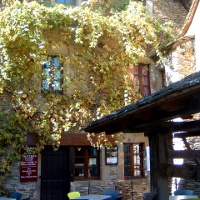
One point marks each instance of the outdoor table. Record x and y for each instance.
(7, 198)
(180, 197)
(94, 197)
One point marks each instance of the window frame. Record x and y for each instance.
(51, 88)
(86, 167)
(133, 166)
(141, 73)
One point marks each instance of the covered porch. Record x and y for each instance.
(154, 115)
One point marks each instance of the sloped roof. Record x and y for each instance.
(189, 17)
(179, 99)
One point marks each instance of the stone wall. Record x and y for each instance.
(168, 10)
(12, 183)
(180, 63)
(129, 189)
(133, 189)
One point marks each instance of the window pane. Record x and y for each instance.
(145, 80)
(126, 148)
(137, 171)
(136, 159)
(127, 171)
(46, 81)
(79, 161)
(145, 70)
(79, 151)
(92, 151)
(64, 1)
(93, 172)
(79, 172)
(56, 74)
(146, 91)
(136, 148)
(92, 162)
(127, 160)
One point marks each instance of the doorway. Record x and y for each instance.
(55, 173)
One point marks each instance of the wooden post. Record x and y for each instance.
(158, 162)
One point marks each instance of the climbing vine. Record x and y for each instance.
(99, 45)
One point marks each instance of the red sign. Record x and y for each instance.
(29, 165)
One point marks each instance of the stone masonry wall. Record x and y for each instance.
(180, 63)
(129, 189)
(169, 10)
(12, 183)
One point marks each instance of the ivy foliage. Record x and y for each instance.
(100, 41)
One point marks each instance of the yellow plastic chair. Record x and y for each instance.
(194, 199)
(73, 195)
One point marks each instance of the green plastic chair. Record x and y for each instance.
(73, 195)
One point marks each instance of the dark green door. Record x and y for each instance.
(55, 173)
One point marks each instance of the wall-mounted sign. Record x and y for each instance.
(111, 155)
(29, 165)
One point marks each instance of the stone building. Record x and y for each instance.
(106, 174)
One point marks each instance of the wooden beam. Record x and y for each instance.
(80, 139)
(182, 171)
(69, 139)
(184, 154)
(181, 126)
(187, 134)
(158, 151)
(179, 129)
(189, 148)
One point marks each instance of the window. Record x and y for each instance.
(68, 2)
(111, 155)
(141, 73)
(133, 160)
(87, 163)
(52, 75)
